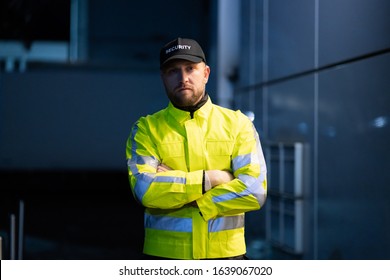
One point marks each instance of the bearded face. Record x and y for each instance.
(185, 82)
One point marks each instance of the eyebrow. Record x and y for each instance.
(174, 65)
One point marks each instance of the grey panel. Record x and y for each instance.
(251, 58)
(131, 33)
(291, 37)
(291, 110)
(350, 28)
(72, 120)
(354, 161)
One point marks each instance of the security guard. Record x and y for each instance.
(196, 167)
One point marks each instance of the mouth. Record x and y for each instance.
(182, 89)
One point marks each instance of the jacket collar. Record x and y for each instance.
(182, 116)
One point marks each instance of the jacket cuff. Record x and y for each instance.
(207, 207)
(206, 182)
(194, 185)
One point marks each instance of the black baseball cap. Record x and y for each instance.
(181, 48)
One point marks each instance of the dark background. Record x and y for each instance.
(313, 72)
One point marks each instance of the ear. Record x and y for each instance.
(206, 74)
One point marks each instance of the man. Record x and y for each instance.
(196, 167)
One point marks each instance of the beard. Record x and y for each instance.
(188, 103)
(185, 97)
(185, 100)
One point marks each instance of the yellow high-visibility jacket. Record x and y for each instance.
(214, 138)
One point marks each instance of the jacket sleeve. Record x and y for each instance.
(248, 191)
(165, 190)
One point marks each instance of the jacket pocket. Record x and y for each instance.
(219, 154)
(173, 155)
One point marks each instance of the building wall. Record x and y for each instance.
(317, 72)
(313, 71)
(75, 120)
(64, 126)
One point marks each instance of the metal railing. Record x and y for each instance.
(16, 235)
(284, 211)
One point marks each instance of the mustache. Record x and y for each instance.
(182, 87)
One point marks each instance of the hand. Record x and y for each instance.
(162, 168)
(218, 177)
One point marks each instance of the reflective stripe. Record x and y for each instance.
(260, 156)
(133, 142)
(260, 193)
(132, 163)
(168, 223)
(137, 159)
(170, 179)
(241, 161)
(254, 187)
(252, 158)
(185, 224)
(144, 180)
(226, 223)
(230, 196)
(142, 184)
(249, 181)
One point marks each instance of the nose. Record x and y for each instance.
(182, 75)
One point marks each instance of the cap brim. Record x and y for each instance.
(191, 58)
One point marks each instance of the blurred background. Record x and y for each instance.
(75, 75)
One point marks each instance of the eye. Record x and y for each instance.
(170, 70)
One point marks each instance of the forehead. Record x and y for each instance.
(180, 62)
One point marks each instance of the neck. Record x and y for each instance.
(195, 107)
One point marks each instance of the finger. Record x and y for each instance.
(165, 167)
